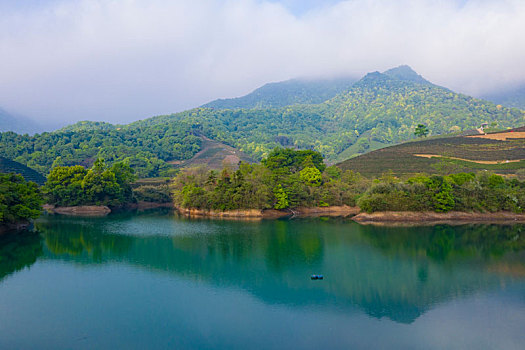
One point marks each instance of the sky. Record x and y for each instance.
(123, 60)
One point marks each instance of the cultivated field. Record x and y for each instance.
(502, 152)
(9, 166)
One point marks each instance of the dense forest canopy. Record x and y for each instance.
(286, 178)
(290, 179)
(100, 185)
(378, 110)
(145, 149)
(20, 200)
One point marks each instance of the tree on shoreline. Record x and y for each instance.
(284, 180)
(100, 185)
(20, 200)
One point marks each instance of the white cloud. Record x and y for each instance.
(128, 59)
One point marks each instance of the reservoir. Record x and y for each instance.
(155, 280)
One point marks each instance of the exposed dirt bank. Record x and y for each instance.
(343, 211)
(421, 217)
(235, 214)
(340, 211)
(81, 210)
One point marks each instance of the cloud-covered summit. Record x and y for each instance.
(128, 59)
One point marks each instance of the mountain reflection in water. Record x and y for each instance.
(393, 272)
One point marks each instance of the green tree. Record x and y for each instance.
(281, 196)
(64, 186)
(124, 175)
(101, 187)
(443, 197)
(311, 176)
(421, 130)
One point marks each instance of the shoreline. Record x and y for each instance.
(399, 217)
(333, 211)
(353, 213)
(233, 214)
(80, 210)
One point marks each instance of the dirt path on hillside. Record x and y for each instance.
(502, 136)
(469, 160)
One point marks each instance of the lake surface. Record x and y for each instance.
(154, 280)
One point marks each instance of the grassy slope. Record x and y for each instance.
(401, 160)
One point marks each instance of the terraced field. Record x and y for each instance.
(9, 166)
(502, 152)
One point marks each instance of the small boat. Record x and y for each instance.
(316, 277)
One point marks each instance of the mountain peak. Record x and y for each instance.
(406, 73)
(374, 78)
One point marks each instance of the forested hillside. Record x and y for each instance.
(379, 110)
(286, 93)
(144, 149)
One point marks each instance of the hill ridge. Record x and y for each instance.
(285, 93)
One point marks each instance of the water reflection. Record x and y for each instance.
(18, 251)
(444, 243)
(398, 273)
(83, 239)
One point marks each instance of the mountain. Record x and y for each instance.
(305, 91)
(9, 166)
(501, 152)
(509, 98)
(285, 93)
(17, 123)
(405, 73)
(377, 111)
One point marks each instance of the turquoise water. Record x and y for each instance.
(154, 280)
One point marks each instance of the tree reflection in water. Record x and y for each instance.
(393, 272)
(18, 250)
